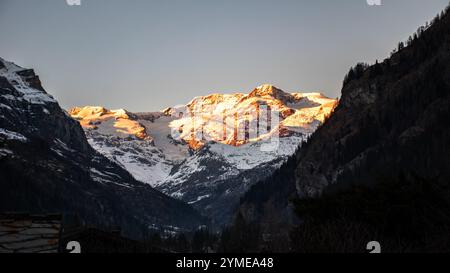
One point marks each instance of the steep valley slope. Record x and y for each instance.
(379, 165)
(47, 166)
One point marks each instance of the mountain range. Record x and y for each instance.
(273, 171)
(209, 152)
(114, 168)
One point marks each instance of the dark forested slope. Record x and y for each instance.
(379, 165)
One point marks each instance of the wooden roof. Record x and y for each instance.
(22, 233)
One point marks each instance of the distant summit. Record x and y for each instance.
(268, 90)
(92, 116)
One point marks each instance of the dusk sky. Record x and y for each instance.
(145, 55)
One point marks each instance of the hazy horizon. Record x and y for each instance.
(148, 55)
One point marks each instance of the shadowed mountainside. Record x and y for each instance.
(47, 166)
(378, 165)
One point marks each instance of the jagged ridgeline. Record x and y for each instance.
(47, 166)
(379, 167)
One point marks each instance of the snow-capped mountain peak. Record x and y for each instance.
(114, 122)
(268, 90)
(25, 82)
(237, 119)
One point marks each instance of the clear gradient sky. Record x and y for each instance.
(145, 55)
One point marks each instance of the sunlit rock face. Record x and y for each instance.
(121, 124)
(211, 150)
(238, 119)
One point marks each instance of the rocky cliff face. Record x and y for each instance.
(26, 107)
(391, 119)
(47, 166)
